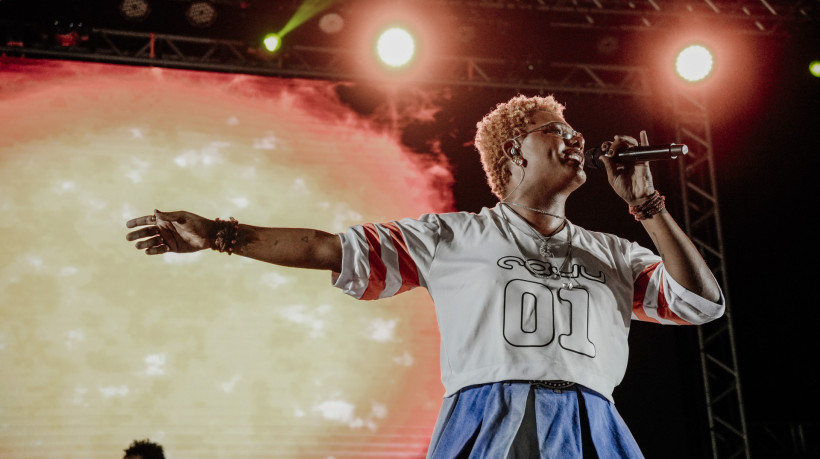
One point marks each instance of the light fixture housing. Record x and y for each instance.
(135, 10)
(201, 13)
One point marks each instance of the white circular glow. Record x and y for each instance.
(395, 47)
(694, 63)
(331, 23)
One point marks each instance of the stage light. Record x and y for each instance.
(694, 63)
(201, 14)
(307, 9)
(272, 42)
(331, 23)
(814, 68)
(135, 10)
(395, 47)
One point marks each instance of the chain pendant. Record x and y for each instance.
(545, 249)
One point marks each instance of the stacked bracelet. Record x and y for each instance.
(227, 231)
(655, 205)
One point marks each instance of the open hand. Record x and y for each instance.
(180, 232)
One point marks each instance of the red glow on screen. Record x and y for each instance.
(207, 354)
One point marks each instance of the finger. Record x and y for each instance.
(168, 238)
(626, 139)
(148, 243)
(178, 216)
(141, 221)
(644, 141)
(610, 168)
(621, 143)
(141, 233)
(158, 250)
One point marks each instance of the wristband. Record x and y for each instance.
(226, 235)
(654, 205)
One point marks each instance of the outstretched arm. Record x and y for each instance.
(633, 183)
(184, 232)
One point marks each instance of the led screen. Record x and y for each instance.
(209, 355)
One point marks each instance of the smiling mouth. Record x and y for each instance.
(574, 155)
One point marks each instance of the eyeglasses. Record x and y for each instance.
(555, 128)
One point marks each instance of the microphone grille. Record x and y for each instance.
(592, 158)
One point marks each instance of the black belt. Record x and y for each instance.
(556, 384)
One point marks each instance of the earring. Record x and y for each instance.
(518, 161)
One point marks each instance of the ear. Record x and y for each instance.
(511, 149)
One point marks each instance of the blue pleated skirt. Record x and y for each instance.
(488, 421)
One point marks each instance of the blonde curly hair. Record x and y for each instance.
(506, 121)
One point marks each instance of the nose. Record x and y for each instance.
(577, 140)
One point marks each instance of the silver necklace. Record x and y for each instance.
(545, 247)
(543, 252)
(540, 211)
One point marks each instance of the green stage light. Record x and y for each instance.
(272, 42)
(814, 68)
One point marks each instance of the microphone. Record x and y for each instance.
(592, 157)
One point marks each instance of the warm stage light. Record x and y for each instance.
(814, 68)
(694, 63)
(135, 10)
(331, 23)
(272, 42)
(395, 47)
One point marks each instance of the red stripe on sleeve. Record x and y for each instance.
(378, 272)
(407, 267)
(664, 311)
(640, 292)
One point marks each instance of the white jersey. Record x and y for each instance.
(506, 313)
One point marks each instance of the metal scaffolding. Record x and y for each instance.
(765, 17)
(172, 51)
(721, 378)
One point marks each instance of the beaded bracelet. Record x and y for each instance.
(654, 205)
(226, 235)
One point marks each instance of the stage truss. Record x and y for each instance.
(766, 17)
(716, 340)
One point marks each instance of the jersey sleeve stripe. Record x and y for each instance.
(664, 311)
(641, 283)
(407, 267)
(378, 272)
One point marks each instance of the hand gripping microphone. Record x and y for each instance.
(592, 157)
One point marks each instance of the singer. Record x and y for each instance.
(533, 310)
